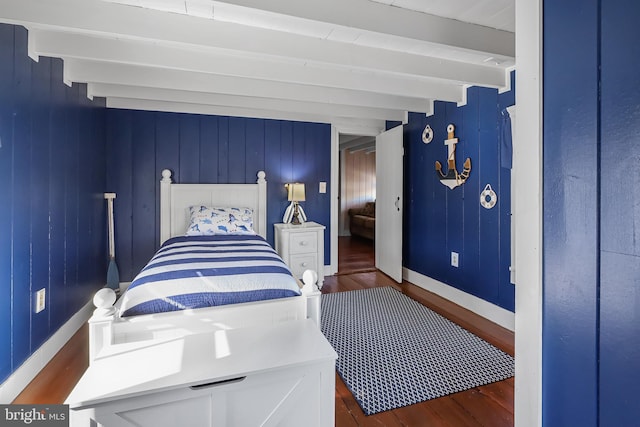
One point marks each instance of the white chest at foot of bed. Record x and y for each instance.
(280, 374)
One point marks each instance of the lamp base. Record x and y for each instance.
(296, 214)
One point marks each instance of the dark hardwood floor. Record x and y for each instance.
(355, 255)
(489, 406)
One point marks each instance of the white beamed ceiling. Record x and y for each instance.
(355, 63)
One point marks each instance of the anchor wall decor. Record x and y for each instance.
(452, 179)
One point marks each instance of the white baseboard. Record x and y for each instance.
(22, 376)
(489, 311)
(330, 270)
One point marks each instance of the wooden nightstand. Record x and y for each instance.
(301, 247)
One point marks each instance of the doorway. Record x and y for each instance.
(357, 187)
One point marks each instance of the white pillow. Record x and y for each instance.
(207, 221)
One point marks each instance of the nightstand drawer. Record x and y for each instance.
(300, 263)
(303, 243)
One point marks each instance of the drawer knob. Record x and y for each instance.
(303, 243)
(304, 264)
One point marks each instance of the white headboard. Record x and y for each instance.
(175, 200)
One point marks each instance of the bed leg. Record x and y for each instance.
(312, 294)
(101, 323)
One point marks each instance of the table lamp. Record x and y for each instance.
(294, 213)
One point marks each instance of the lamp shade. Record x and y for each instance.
(296, 192)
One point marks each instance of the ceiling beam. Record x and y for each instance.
(131, 75)
(233, 65)
(289, 58)
(166, 106)
(220, 100)
(363, 15)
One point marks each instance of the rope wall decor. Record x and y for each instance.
(488, 197)
(427, 134)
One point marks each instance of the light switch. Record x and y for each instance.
(323, 187)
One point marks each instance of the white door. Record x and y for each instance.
(389, 176)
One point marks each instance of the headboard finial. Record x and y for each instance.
(166, 175)
(261, 177)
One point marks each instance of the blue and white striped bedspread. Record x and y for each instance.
(204, 271)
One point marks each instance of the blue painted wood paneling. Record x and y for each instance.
(415, 195)
(439, 220)
(453, 204)
(6, 156)
(436, 255)
(223, 150)
(52, 161)
(488, 171)
(273, 161)
(208, 149)
(506, 289)
(570, 229)
(237, 150)
(56, 195)
(471, 264)
(143, 203)
(620, 214)
(21, 208)
(120, 129)
(189, 148)
(40, 145)
(255, 151)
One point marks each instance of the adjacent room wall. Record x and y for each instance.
(212, 149)
(52, 222)
(358, 182)
(439, 220)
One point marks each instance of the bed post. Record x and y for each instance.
(101, 323)
(262, 204)
(165, 206)
(311, 292)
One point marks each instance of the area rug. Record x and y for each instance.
(394, 352)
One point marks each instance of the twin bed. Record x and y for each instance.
(213, 291)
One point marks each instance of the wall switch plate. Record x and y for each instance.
(40, 300)
(454, 259)
(323, 187)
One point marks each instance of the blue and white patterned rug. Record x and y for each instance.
(394, 352)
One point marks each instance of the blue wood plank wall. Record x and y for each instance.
(52, 223)
(620, 214)
(591, 332)
(439, 220)
(570, 181)
(211, 149)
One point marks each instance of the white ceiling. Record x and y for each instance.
(354, 63)
(498, 14)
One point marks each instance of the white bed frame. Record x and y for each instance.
(107, 328)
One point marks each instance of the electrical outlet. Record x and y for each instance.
(40, 300)
(323, 187)
(454, 259)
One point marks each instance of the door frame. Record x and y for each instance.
(527, 163)
(336, 130)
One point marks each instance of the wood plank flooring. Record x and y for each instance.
(488, 406)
